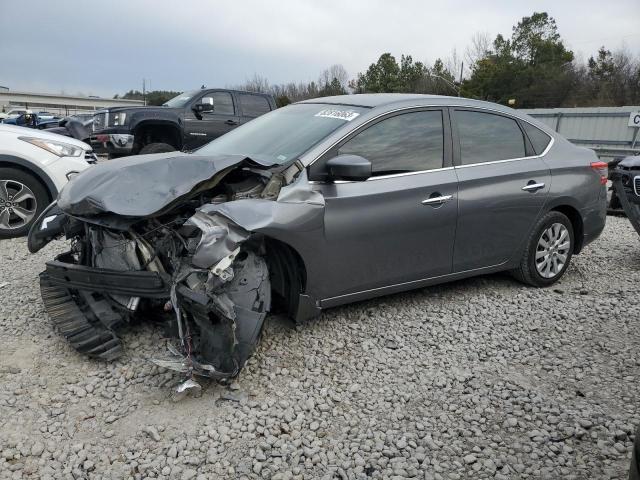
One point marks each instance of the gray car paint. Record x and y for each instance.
(356, 243)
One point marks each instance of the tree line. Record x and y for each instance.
(531, 68)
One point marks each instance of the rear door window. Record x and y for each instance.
(487, 137)
(253, 105)
(410, 142)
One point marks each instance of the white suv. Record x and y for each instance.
(34, 166)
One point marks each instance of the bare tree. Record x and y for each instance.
(479, 48)
(337, 72)
(257, 83)
(453, 64)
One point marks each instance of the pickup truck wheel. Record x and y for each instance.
(156, 148)
(22, 199)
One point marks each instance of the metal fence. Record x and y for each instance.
(609, 131)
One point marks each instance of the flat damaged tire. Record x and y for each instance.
(250, 291)
(548, 251)
(223, 342)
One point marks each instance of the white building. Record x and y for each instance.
(58, 104)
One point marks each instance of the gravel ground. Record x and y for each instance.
(482, 378)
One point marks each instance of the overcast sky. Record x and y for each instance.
(103, 48)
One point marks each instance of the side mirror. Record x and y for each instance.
(203, 107)
(349, 167)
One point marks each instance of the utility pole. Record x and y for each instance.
(144, 93)
(461, 70)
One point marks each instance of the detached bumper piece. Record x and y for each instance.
(73, 296)
(85, 323)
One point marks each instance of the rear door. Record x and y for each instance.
(502, 187)
(201, 129)
(392, 229)
(252, 106)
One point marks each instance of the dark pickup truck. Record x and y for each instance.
(185, 122)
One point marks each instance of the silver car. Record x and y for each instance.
(318, 204)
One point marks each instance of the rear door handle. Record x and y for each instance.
(231, 122)
(437, 200)
(533, 187)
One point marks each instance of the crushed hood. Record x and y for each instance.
(631, 162)
(143, 185)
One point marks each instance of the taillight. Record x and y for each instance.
(601, 169)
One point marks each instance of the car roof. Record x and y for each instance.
(374, 100)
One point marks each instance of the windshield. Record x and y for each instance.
(285, 133)
(181, 100)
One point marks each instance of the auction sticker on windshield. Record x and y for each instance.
(347, 115)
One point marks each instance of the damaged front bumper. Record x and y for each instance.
(626, 185)
(112, 143)
(77, 301)
(62, 273)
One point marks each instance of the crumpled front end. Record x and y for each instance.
(189, 267)
(626, 184)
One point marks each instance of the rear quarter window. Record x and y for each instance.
(254, 105)
(537, 137)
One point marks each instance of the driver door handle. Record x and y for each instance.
(532, 186)
(437, 200)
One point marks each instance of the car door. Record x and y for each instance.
(502, 187)
(252, 106)
(206, 126)
(399, 225)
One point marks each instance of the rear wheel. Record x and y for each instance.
(156, 148)
(548, 252)
(22, 199)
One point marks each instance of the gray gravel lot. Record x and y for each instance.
(483, 378)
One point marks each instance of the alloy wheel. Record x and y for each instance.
(17, 204)
(552, 251)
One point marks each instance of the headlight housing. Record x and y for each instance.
(117, 119)
(53, 146)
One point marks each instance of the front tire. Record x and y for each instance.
(156, 148)
(22, 199)
(548, 251)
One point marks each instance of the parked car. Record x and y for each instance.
(314, 205)
(625, 178)
(185, 122)
(15, 112)
(32, 120)
(34, 166)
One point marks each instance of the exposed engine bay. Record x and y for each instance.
(187, 266)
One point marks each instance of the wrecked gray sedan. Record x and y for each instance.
(314, 205)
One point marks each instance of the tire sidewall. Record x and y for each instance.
(546, 222)
(158, 147)
(40, 192)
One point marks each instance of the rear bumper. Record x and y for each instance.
(112, 143)
(133, 283)
(594, 220)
